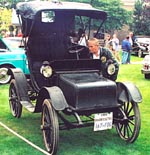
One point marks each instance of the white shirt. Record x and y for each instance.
(130, 40)
(96, 57)
(82, 41)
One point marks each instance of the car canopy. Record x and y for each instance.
(30, 9)
(31, 14)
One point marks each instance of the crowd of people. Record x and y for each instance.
(111, 42)
(126, 47)
(12, 32)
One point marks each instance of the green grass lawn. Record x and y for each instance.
(78, 141)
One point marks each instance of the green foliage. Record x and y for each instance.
(5, 18)
(117, 16)
(141, 18)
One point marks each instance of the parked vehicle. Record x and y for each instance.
(141, 47)
(146, 67)
(12, 55)
(68, 88)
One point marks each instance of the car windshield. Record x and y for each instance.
(13, 43)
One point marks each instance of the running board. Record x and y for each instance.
(29, 106)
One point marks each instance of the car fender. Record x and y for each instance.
(127, 92)
(21, 83)
(56, 96)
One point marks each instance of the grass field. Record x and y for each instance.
(78, 141)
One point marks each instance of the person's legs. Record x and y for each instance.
(129, 56)
(117, 56)
(124, 57)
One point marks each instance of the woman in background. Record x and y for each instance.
(115, 42)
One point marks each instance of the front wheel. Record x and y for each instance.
(4, 77)
(14, 101)
(129, 122)
(50, 127)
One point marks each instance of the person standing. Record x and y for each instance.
(132, 38)
(126, 48)
(105, 55)
(82, 37)
(107, 41)
(115, 42)
(132, 42)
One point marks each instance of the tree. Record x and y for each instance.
(5, 18)
(6, 13)
(117, 16)
(141, 18)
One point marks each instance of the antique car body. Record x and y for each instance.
(12, 55)
(141, 46)
(146, 67)
(63, 80)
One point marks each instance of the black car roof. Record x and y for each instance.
(29, 9)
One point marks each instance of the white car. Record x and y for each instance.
(146, 67)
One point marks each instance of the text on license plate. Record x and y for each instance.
(103, 121)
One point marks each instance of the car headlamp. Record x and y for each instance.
(46, 70)
(111, 69)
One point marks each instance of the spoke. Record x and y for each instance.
(131, 122)
(132, 117)
(129, 128)
(124, 130)
(47, 119)
(46, 116)
(128, 133)
(129, 110)
(126, 107)
(121, 128)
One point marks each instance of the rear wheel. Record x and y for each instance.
(4, 77)
(128, 126)
(14, 101)
(50, 127)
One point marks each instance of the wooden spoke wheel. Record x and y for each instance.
(50, 127)
(128, 127)
(14, 101)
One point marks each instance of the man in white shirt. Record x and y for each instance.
(105, 55)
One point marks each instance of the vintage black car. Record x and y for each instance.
(64, 82)
(141, 47)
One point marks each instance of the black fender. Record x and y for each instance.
(56, 96)
(22, 87)
(127, 92)
(21, 82)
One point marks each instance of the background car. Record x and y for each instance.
(141, 47)
(146, 67)
(12, 55)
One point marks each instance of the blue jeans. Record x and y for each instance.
(128, 59)
(124, 57)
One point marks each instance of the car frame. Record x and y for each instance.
(12, 55)
(66, 86)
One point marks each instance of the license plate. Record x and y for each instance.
(103, 121)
